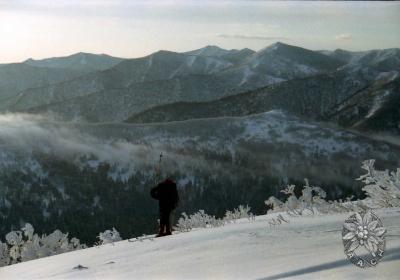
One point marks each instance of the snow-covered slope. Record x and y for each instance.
(305, 248)
(65, 171)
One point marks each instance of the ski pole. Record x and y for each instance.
(159, 169)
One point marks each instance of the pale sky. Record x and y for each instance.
(44, 28)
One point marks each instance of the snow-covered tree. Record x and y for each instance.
(382, 187)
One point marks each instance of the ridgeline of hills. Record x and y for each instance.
(83, 62)
(18, 77)
(351, 103)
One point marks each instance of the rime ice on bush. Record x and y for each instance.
(197, 220)
(382, 187)
(311, 201)
(203, 220)
(24, 245)
(238, 213)
(109, 236)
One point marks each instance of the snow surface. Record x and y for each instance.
(305, 248)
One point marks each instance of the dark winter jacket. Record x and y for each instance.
(167, 195)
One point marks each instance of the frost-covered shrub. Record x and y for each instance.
(382, 187)
(197, 220)
(203, 220)
(311, 201)
(242, 212)
(109, 236)
(24, 245)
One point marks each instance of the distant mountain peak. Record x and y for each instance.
(210, 50)
(247, 50)
(78, 61)
(164, 51)
(85, 54)
(276, 46)
(213, 47)
(161, 53)
(278, 43)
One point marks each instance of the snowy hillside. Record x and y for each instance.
(72, 173)
(308, 247)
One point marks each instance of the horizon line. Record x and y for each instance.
(181, 52)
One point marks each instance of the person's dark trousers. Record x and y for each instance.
(165, 223)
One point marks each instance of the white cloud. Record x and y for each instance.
(343, 37)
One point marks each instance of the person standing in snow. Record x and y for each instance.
(167, 195)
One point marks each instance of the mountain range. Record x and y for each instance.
(316, 84)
